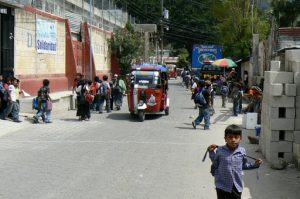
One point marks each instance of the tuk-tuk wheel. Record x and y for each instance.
(167, 111)
(141, 115)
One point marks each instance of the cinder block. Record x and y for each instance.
(282, 124)
(289, 113)
(292, 55)
(297, 137)
(297, 82)
(280, 101)
(288, 157)
(290, 89)
(295, 65)
(274, 89)
(275, 65)
(297, 99)
(272, 77)
(297, 113)
(282, 146)
(277, 136)
(297, 124)
(296, 150)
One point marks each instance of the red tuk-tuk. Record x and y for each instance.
(172, 73)
(148, 90)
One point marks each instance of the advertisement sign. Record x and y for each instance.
(46, 36)
(205, 53)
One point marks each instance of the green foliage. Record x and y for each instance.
(235, 26)
(126, 45)
(183, 55)
(286, 12)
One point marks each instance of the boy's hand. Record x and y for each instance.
(212, 147)
(258, 162)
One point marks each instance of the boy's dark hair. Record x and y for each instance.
(46, 82)
(233, 130)
(105, 77)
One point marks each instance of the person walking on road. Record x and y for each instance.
(224, 94)
(44, 98)
(228, 161)
(105, 93)
(118, 91)
(236, 96)
(202, 99)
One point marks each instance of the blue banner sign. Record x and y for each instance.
(203, 53)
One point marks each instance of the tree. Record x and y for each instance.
(286, 12)
(235, 26)
(126, 45)
(183, 55)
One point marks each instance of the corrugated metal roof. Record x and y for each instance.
(289, 31)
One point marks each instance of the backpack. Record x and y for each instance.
(35, 103)
(200, 99)
(103, 89)
(224, 90)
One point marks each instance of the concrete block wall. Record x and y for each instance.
(279, 112)
(280, 138)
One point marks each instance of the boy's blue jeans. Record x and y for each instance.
(203, 114)
(107, 106)
(44, 113)
(235, 108)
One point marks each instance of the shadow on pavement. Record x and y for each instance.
(70, 120)
(224, 116)
(189, 108)
(120, 116)
(185, 128)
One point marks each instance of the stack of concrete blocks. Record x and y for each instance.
(280, 138)
(278, 115)
(292, 63)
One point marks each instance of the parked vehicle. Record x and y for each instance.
(148, 90)
(172, 71)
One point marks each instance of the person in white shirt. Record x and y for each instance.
(12, 105)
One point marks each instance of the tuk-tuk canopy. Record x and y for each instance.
(150, 67)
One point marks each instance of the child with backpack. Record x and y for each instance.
(104, 93)
(202, 99)
(236, 95)
(224, 93)
(44, 99)
(228, 163)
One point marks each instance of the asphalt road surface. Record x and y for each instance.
(114, 156)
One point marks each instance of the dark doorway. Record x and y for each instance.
(6, 41)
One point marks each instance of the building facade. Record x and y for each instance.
(55, 39)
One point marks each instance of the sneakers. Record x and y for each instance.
(35, 120)
(206, 128)
(194, 125)
(17, 120)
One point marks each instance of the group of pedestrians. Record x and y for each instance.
(204, 91)
(94, 95)
(9, 98)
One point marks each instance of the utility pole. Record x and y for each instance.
(162, 32)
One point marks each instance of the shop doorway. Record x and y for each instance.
(6, 41)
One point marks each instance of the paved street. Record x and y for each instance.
(114, 157)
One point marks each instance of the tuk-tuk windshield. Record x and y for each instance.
(148, 79)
